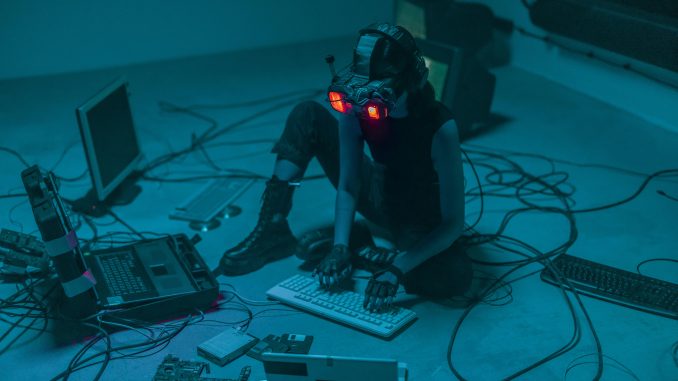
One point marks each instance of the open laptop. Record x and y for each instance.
(295, 367)
(167, 269)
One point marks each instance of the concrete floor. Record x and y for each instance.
(543, 118)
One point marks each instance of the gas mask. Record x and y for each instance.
(386, 63)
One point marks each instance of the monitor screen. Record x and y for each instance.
(412, 16)
(437, 75)
(109, 137)
(444, 65)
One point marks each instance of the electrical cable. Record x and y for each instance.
(16, 154)
(552, 161)
(480, 188)
(125, 224)
(213, 131)
(254, 102)
(662, 193)
(510, 182)
(15, 195)
(615, 364)
(632, 196)
(641, 263)
(524, 181)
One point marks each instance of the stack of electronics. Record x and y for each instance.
(286, 358)
(22, 254)
(174, 369)
(161, 278)
(150, 279)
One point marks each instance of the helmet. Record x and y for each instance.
(386, 63)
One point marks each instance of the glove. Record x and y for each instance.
(382, 288)
(375, 258)
(335, 267)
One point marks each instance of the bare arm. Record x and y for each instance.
(350, 158)
(446, 156)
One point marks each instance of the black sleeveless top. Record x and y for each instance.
(403, 147)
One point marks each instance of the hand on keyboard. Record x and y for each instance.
(381, 290)
(344, 306)
(335, 267)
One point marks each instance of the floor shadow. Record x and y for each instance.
(483, 277)
(493, 122)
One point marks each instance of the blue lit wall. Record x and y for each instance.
(46, 37)
(651, 101)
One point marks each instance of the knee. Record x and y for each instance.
(311, 122)
(307, 111)
(448, 274)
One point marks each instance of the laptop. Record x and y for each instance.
(147, 272)
(295, 367)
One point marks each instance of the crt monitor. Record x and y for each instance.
(111, 147)
(460, 83)
(444, 63)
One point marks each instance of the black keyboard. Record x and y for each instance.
(123, 275)
(617, 286)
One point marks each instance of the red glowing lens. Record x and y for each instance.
(373, 112)
(338, 102)
(376, 111)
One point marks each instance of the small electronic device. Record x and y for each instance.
(298, 344)
(270, 343)
(287, 343)
(216, 197)
(174, 369)
(345, 307)
(227, 346)
(112, 149)
(294, 367)
(617, 286)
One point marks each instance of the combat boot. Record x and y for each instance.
(271, 238)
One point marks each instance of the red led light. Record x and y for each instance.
(373, 112)
(376, 111)
(338, 102)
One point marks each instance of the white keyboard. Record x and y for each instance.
(212, 199)
(343, 306)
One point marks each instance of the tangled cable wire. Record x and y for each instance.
(503, 177)
(546, 193)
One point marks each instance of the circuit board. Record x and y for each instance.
(174, 369)
(19, 250)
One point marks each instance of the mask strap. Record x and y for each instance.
(363, 54)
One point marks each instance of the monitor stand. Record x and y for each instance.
(124, 194)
